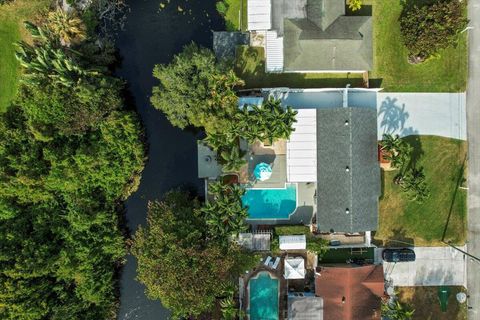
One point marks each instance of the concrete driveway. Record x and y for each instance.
(434, 266)
(440, 114)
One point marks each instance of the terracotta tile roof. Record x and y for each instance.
(350, 293)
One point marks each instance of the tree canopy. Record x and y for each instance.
(69, 153)
(428, 28)
(195, 90)
(179, 262)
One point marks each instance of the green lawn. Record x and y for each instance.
(445, 73)
(341, 255)
(236, 15)
(11, 30)
(250, 66)
(444, 162)
(426, 304)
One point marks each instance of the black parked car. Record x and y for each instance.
(398, 255)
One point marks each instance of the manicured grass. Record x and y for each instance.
(427, 306)
(236, 15)
(250, 66)
(11, 30)
(444, 163)
(445, 73)
(341, 255)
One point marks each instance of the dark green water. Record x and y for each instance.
(153, 36)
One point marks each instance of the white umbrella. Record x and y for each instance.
(294, 268)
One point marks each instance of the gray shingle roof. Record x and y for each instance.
(318, 36)
(347, 201)
(345, 45)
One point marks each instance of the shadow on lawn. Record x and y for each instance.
(460, 179)
(397, 238)
(417, 153)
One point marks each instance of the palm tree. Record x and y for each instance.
(49, 62)
(267, 122)
(414, 184)
(232, 159)
(224, 213)
(68, 27)
(398, 151)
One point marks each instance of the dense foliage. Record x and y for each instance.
(396, 150)
(429, 28)
(396, 310)
(400, 155)
(414, 185)
(178, 260)
(224, 212)
(196, 90)
(69, 151)
(267, 122)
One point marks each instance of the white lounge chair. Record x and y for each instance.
(276, 263)
(267, 261)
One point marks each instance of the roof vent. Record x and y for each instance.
(343, 299)
(347, 211)
(346, 122)
(347, 169)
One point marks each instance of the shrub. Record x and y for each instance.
(222, 8)
(430, 28)
(413, 183)
(355, 5)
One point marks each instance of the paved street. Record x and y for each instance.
(434, 266)
(439, 114)
(473, 128)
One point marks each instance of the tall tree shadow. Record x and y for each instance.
(417, 151)
(460, 178)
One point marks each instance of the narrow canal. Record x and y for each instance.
(153, 35)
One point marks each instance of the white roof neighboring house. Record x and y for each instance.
(294, 268)
(296, 242)
(259, 15)
(302, 148)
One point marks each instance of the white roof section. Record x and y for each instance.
(273, 52)
(295, 242)
(294, 268)
(302, 148)
(259, 15)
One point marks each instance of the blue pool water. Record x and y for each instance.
(263, 292)
(270, 203)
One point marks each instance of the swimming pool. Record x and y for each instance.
(263, 291)
(271, 203)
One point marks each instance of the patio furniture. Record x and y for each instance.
(276, 263)
(267, 261)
